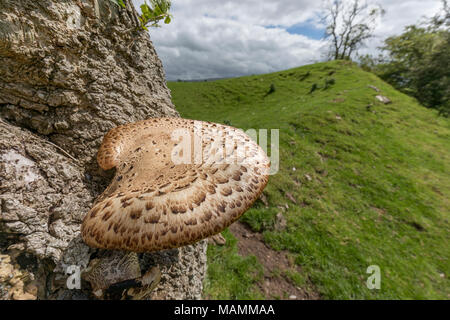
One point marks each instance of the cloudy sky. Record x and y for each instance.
(228, 38)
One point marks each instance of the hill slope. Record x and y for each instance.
(360, 183)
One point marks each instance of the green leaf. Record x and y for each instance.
(119, 3)
(157, 10)
(146, 10)
(154, 12)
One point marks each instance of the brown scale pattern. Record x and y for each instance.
(154, 204)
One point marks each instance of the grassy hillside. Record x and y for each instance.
(360, 183)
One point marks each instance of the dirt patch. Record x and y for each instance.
(275, 285)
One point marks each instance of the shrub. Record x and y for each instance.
(329, 83)
(313, 88)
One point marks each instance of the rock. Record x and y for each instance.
(264, 200)
(383, 99)
(374, 88)
(280, 223)
(291, 197)
(292, 297)
(88, 70)
(217, 239)
(247, 235)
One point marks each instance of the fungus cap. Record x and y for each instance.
(160, 197)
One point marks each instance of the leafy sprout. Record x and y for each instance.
(157, 10)
(152, 13)
(120, 3)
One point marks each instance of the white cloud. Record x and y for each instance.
(225, 38)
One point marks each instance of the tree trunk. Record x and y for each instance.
(69, 72)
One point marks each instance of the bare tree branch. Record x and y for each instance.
(349, 25)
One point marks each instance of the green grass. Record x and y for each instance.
(379, 189)
(231, 276)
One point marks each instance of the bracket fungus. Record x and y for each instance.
(177, 182)
(117, 275)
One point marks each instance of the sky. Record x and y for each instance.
(227, 38)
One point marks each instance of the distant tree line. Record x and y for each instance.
(416, 62)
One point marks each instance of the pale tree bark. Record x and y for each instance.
(69, 72)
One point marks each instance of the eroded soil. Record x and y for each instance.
(275, 285)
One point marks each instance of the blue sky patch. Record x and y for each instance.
(307, 30)
(304, 28)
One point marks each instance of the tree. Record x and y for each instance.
(441, 20)
(69, 72)
(417, 62)
(348, 26)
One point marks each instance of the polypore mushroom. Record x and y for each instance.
(117, 274)
(155, 203)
